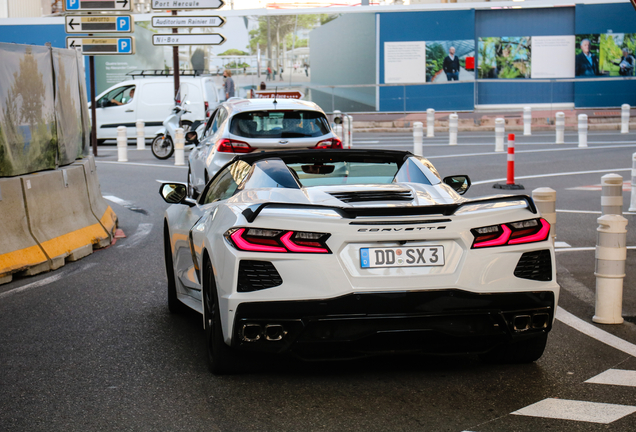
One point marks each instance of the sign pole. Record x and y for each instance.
(175, 61)
(91, 72)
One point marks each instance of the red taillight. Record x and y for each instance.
(233, 146)
(277, 241)
(331, 143)
(207, 105)
(528, 231)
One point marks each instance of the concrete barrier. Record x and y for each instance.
(100, 208)
(60, 214)
(18, 249)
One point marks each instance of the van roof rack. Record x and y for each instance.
(167, 72)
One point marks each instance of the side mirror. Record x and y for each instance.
(192, 137)
(176, 193)
(459, 183)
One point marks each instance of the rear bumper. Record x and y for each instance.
(359, 325)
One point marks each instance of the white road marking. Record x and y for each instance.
(142, 231)
(552, 175)
(618, 377)
(561, 244)
(583, 249)
(141, 164)
(366, 142)
(117, 200)
(594, 332)
(592, 412)
(46, 281)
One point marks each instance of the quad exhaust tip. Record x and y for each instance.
(253, 332)
(525, 322)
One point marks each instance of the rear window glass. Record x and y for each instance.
(345, 173)
(279, 124)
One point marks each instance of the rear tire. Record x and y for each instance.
(174, 305)
(524, 351)
(162, 147)
(221, 358)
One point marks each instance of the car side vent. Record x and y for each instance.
(361, 196)
(257, 275)
(536, 265)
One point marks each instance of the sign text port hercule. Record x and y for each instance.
(186, 4)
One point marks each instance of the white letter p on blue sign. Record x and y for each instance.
(123, 24)
(72, 4)
(124, 45)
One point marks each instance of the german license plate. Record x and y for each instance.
(402, 257)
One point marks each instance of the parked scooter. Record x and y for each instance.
(163, 144)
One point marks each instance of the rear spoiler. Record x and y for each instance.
(252, 212)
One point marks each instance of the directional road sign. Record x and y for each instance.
(102, 46)
(186, 4)
(97, 5)
(188, 21)
(99, 24)
(188, 39)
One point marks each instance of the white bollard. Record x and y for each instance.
(430, 123)
(122, 144)
(545, 200)
(141, 135)
(560, 128)
(500, 129)
(179, 147)
(349, 131)
(339, 130)
(625, 118)
(632, 203)
(453, 126)
(418, 137)
(582, 130)
(612, 194)
(527, 121)
(611, 253)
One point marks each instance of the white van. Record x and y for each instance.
(151, 100)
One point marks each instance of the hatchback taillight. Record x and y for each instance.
(527, 231)
(233, 146)
(267, 240)
(331, 143)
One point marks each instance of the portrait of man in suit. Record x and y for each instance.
(586, 63)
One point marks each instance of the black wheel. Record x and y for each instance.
(192, 192)
(221, 358)
(174, 305)
(162, 147)
(186, 125)
(524, 351)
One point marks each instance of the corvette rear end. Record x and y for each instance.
(326, 269)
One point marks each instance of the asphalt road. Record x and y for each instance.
(92, 347)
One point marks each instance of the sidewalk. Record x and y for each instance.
(598, 119)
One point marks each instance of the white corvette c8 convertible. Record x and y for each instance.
(327, 254)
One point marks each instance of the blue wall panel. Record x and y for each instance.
(607, 18)
(524, 22)
(426, 26)
(34, 34)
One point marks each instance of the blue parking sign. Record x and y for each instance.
(123, 23)
(124, 45)
(72, 4)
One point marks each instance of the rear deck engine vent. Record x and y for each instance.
(257, 275)
(536, 265)
(361, 196)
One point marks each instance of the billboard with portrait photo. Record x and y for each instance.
(440, 67)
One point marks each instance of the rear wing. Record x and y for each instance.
(252, 212)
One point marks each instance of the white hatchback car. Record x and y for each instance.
(240, 126)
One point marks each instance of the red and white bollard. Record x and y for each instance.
(510, 178)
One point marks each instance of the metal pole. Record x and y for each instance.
(292, 53)
(175, 61)
(91, 72)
